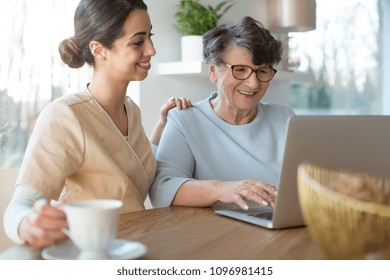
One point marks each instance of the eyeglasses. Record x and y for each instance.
(243, 72)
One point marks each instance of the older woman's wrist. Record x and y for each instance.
(218, 190)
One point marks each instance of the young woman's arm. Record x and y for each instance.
(180, 103)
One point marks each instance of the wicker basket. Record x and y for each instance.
(346, 224)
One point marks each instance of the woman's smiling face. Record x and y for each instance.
(129, 58)
(237, 98)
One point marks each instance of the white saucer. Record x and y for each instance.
(118, 250)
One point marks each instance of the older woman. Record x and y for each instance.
(228, 148)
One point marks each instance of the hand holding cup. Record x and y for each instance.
(92, 226)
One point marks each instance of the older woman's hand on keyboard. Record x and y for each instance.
(252, 190)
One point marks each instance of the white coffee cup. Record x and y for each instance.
(92, 226)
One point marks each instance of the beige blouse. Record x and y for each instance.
(77, 152)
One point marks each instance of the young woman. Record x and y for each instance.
(91, 144)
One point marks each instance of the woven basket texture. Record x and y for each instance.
(347, 213)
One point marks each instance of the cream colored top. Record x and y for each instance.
(75, 147)
(76, 152)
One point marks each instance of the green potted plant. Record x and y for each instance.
(192, 20)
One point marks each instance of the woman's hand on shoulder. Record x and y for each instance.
(251, 190)
(43, 226)
(173, 102)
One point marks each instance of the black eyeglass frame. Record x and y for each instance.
(252, 70)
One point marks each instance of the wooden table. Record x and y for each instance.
(186, 233)
(198, 233)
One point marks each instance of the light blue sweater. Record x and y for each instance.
(197, 144)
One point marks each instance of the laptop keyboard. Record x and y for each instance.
(266, 216)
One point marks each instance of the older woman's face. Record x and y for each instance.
(237, 96)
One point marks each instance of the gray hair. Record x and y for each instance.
(249, 34)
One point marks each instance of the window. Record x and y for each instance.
(345, 55)
(31, 71)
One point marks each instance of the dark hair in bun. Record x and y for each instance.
(71, 53)
(96, 20)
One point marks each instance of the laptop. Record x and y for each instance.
(359, 143)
